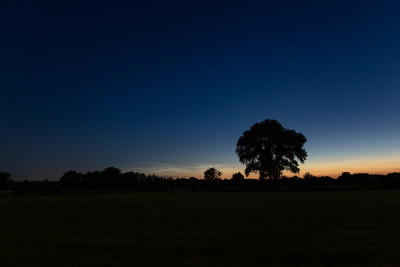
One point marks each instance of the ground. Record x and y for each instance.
(356, 228)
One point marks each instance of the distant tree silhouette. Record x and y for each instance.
(212, 174)
(269, 149)
(359, 179)
(345, 174)
(237, 177)
(111, 172)
(392, 180)
(308, 175)
(71, 180)
(5, 180)
(111, 177)
(311, 180)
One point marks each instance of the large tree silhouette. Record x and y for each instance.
(269, 149)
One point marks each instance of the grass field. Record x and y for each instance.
(355, 228)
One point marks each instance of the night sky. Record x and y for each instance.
(168, 87)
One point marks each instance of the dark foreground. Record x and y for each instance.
(355, 228)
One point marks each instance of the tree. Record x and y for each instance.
(269, 149)
(71, 180)
(308, 175)
(5, 180)
(237, 177)
(212, 174)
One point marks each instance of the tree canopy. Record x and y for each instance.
(237, 177)
(5, 179)
(212, 174)
(269, 149)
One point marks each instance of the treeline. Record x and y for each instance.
(10, 187)
(112, 179)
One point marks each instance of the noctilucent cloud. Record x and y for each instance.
(168, 87)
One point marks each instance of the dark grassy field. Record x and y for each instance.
(314, 228)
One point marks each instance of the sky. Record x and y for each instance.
(168, 87)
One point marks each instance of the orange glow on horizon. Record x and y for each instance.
(318, 167)
(333, 169)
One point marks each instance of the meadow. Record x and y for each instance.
(353, 228)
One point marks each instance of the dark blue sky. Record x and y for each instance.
(168, 87)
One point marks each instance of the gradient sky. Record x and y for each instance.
(167, 87)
